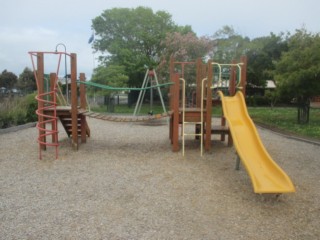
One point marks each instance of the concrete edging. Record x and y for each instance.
(17, 128)
(297, 138)
(311, 141)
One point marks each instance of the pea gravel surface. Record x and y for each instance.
(126, 183)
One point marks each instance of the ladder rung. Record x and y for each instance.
(192, 134)
(192, 122)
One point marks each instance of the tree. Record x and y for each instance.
(184, 47)
(112, 75)
(228, 45)
(272, 97)
(8, 79)
(132, 38)
(259, 63)
(298, 71)
(263, 53)
(27, 81)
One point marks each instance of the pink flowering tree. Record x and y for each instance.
(184, 47)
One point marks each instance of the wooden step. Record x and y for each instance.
(220, 129)
(66, 122)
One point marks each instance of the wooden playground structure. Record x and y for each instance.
(49, 112)
(73, 116)
(265, 174)
(52, 106)
(200, 113)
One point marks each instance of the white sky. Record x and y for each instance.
(39, 25)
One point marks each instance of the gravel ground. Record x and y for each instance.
(126, 183)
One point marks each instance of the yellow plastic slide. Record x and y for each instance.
(265, 174)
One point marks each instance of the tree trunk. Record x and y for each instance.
(303, 112)
(109, 101)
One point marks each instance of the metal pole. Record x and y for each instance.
(151, 96)
(141, 94)
(159, 91)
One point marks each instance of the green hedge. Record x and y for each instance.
(254, 101)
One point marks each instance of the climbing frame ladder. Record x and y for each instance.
(184, 122)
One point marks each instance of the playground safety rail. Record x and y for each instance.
(220, 65)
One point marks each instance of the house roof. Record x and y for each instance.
(271, 84)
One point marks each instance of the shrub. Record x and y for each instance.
(17, 111)
(31, 108)
(5, 115)
(257, 100)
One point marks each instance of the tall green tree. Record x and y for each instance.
(298, 71)
(263, 53)
(112, 75)
(8, 79)
(26, 81)
(228, 45)
(132, 38)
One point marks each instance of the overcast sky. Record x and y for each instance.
(39, 25)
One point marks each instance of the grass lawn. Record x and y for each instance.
(286, 119)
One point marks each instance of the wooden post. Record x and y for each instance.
(40, 78)
(74, 101)
(175, 114)
(171, 67)
(243, 83)
(54, 126)
(232, 80)
(208, 108)
(199, 78)
(171, 99)
(52, 83)
(83, 102)
(83, 105)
